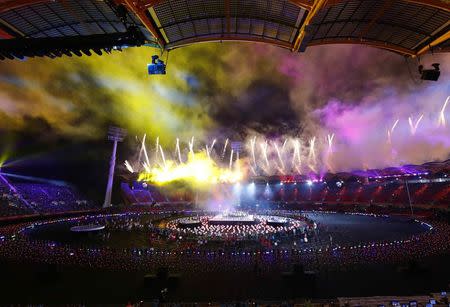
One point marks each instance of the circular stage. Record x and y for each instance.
(285, 228)
(279, 239)
(87, 228)
(189, 222)
(237, 225)
(142, 242)
(233, 218)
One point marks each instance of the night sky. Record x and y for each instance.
(54, 114)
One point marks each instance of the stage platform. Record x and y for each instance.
(277, 221)
(87, 228)
(233, 219)
(189, 223)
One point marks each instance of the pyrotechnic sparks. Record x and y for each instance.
(191, 145)
(162, 155)
(413, 126)
(157, 149)
(231, 158)
(312, 154)
(281, 167)
(264, 146)
(296, 157)
(330, 138)
(173, 108)
(199, 170)
(391, 131)
(441, 120)
(128, 166)
(210, 149)
(394, 125)
(224, 148)
(252, 146)
(329, 152)
(284, 145)
(147, 160)
(178, 151)
(282, 155)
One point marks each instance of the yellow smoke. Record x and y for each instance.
(199, 170)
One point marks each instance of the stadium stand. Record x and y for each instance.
(45, 198)
(18, 199)
(428, 186)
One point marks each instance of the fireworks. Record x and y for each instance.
(312, 154)
(296, 158)
(330, 138)
(264, 147)
(413, 127)
(204, 162)
(391, 131)
(128, 166)
(177, 149)
(224, 148)
(441, 120)
(199, 168)
(252, 145)
(231, 159)
(281, 167)
(210, 149)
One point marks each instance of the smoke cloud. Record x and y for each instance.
(241, 91)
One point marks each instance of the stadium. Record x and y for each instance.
(287, 153)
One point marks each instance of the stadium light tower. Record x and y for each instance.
(116, 135)
(409, 198)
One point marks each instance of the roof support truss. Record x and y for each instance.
(433, 43)
(304, 4)
(317, 5)
(386, 5)
(5, 35)
(140, 9)
(227, 37)
(143, 8)
(439, 4)
(375, 44)
(14, 4)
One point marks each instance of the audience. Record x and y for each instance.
(191, 256)
(38, 198)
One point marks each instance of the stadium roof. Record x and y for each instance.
(57, 27)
